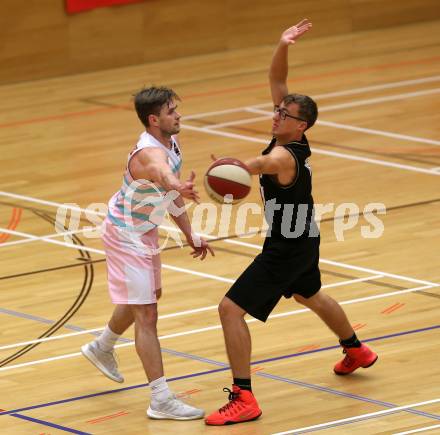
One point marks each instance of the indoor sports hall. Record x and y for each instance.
(67, 123)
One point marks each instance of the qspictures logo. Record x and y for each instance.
(133, 214)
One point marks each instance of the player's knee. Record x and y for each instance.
(314, 302)
(146, 316)
(228, 308)
(223, 308)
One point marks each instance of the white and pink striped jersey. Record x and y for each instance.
(140, 205)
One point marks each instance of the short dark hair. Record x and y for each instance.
(308, 110)
(149, 101)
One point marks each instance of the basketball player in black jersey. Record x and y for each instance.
(289, 262)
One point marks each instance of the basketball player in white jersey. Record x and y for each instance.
(150, 187)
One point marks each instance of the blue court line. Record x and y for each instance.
(26, 316)
(47, 423)
(367, 340)
(103, 393)
(51, 322)
(348, 395)
(224, 368)
(305, 384)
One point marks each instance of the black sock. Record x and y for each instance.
(351, 342)
(244, 384)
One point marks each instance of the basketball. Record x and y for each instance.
(227, 176)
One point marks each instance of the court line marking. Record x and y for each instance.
(384, 99)
(47, 236)
(49, 424)
(168, 316)
(13, 223)
(389, 85)
(319, 388)
(242, 88)
(219, 278)
(357, 417)
(233, 242)
(267, 115)
(379, 133)
(101, 252)
(347, 266)
(273, 377)
(334, 125)
(422, 429)
(210, 328)
(352, 91)
(316, 151)
(48, 240)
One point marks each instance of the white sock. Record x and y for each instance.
(159, 390)
(107, 340)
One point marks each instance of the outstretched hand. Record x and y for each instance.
(290, 35)
(200, 246)
(187, 190)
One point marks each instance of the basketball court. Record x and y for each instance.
(64, 143)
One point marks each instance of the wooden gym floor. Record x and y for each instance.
(65, 140)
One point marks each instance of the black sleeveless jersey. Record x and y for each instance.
(289, 209)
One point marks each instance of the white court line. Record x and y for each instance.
(379, 133)
(357, 300)
(49, 203)
(358, 417)
(47, 236)
(422, 429)
(390, 85)
(215, 277)
(232, 242)
(353, 281)
(72, 355)
(238, 122)
(193, 272)
(380, 100)
(47, 240)
(210, 328)
(346, 266)
(183, 313)
(333, 125)
(101, 252)
(353, 91)
(317, 151)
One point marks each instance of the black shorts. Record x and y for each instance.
(283, 268)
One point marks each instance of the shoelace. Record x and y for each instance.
(348, 360)
(112, 359)
(232, 397)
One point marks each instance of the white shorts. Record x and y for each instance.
(133, 269)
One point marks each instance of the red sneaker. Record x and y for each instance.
(242, 407)
(355, 357)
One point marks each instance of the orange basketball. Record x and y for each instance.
(227, 176)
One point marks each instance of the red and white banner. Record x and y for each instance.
(74, 6)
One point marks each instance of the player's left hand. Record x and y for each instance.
(200, 247)
(290, 35)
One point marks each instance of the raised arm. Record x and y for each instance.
(279, 65)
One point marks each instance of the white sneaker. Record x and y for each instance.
(104, 361)
(173, 409)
